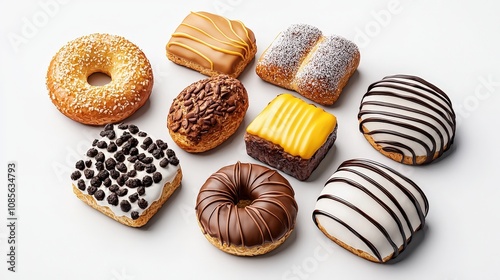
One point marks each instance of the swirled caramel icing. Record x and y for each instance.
(213, 42)
(246, 205)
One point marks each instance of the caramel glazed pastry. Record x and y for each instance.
(207, 113)
(370, 209)
(129, 69)
(407, 119)
(246, 209)
(291, 135)
(316, 66)
(127, 175)
(212, 44)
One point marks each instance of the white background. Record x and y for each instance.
(453, 44)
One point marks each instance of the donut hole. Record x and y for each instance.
(242, 203)
(99, 79)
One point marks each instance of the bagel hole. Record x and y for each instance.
(98, 79)
(242, 203)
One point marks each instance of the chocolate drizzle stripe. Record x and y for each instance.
(368, 217)
(347, 226)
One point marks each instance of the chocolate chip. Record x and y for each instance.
(133, 142)
(133, 129)
(113, 199)
(174, 161)
(157, 177)
(162, 145)
(108, 133)
(121, 167)
(134, 215)
(164, 162)
(119, 141)
(147, 181)
(92, 152)
(134, 151)
(126, 148)
(152, 147)
(141, 156)
(144, 146)
(123, 126)
(109, 126)
(107, 182)
(133, 197)
(142, 134)
(147, 160)
(126, 136)
(80, 165)
(122, 192)
(170, 153)
(141, 190)
(114, 174)
(119, 156)
(88, 163)
(132, 173)
(89, 173)
(134, 183)
(99, 195)
(122, 179)
(139, 166)
(125, 206)
(150, 168)
(147, 141)
(100, 157)
(132, 159)
(76, 175)
(103, 174)
(95, 181)
(158, 153)
(81, 184)
(102, 145)
(114, 188)
(112, 147)
(94, 143)
(143, 204)
(110, 163)
(99, 166)
(91, 190)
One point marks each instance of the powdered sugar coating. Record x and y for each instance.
(124, 62)
(327, 68)
(289, 49)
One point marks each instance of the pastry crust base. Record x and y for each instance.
(168, 190)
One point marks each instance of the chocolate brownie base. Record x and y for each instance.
(274, 155)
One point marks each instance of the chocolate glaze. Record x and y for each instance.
(269, 216)
(434, 109)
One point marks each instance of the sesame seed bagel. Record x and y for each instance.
(129, 69)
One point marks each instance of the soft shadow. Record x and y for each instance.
(347, 91)
(158, 216)
(415, 243)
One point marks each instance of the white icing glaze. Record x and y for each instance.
(382, 208)
(152, 193)
(408, 115)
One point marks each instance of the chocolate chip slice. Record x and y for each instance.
(80, 165)
(125, 205)
(133, 197)
(100, 157)
(143, 204)
(112, 147)
(147, 181)
(164, 162)
(76, 175)
(99, 195)
(122, 192)
(89, 173)
(110, 163)
(81, 184)
(157, 177)
(91, 190)
(113, 199)
(92, 152)
(134, 215)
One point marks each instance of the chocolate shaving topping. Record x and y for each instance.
(81, 184)
(89, 173)
(76, 175)
(143, 204)
(80, 165)
(113, 199)
(99, 195)
(125, 206)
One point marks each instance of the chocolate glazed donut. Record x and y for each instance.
(246, 209)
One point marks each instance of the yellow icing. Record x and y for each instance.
(298, 127)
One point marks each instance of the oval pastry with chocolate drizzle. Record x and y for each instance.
(212, 44)
(370, 209)
(407, 119)
(246, 209)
